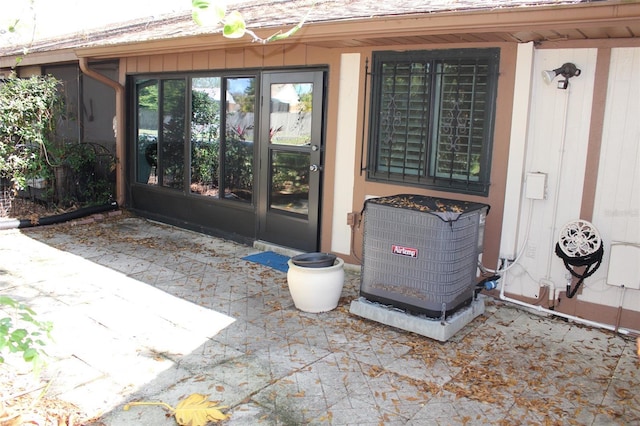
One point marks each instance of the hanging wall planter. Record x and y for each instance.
(315, 281)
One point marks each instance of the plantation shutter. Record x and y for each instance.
(404, 118)
(462, 89)
(432, 118)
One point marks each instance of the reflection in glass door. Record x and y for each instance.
(160, 132)
(222, 162)
(292, 124)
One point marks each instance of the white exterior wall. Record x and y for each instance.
(517, 147)
(345, 152)
(556, 145)
(617, 204)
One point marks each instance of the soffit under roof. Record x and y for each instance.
(362, 23)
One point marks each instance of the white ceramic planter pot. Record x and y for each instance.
(316, 289)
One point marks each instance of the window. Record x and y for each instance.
(68, 125)
(176, 137)
(171, 143)
(160, 132)
(432, 118)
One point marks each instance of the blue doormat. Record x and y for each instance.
(270, 259)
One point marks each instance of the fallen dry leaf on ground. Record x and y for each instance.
(195, 410)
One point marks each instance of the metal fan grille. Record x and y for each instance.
(579, 238)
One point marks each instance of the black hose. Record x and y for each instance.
(59, 218)
(591, 262)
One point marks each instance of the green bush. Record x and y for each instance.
(29, 109)
(82, 181)
(21, 332)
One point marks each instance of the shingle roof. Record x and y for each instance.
(283, 12)
(261, 14)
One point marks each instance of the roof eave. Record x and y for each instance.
(39, 58)
(502, 20)
(370, 31)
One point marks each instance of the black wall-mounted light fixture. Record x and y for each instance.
(567, 70)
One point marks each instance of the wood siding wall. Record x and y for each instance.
(586, 141)
(251, 57)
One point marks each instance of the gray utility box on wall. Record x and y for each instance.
(420, 254)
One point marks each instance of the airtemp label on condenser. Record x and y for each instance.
(404, 251)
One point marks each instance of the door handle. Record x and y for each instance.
(315, 168)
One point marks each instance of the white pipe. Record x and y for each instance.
(520, 252)
(620, 307)
(503, 282)
(556, 195)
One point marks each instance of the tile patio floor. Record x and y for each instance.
(144, 311)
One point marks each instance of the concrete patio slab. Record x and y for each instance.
(145, 311)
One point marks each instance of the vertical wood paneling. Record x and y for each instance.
(144, 64)
(185, 61)
(273, 56)
(156, 63)
(565, 117)
(618, 192)
(557, 146)
(253, 57)
(200, 61)
(316, 55)
(131, 65)
(217, 59)
(617, 205)
(234, 58)
(295, 54)
(170, 62)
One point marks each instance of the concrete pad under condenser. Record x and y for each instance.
(431, 328)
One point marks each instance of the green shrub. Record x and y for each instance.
(29, 109)
(29, 147)
(21, 332)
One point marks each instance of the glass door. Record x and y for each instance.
(291, 160)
